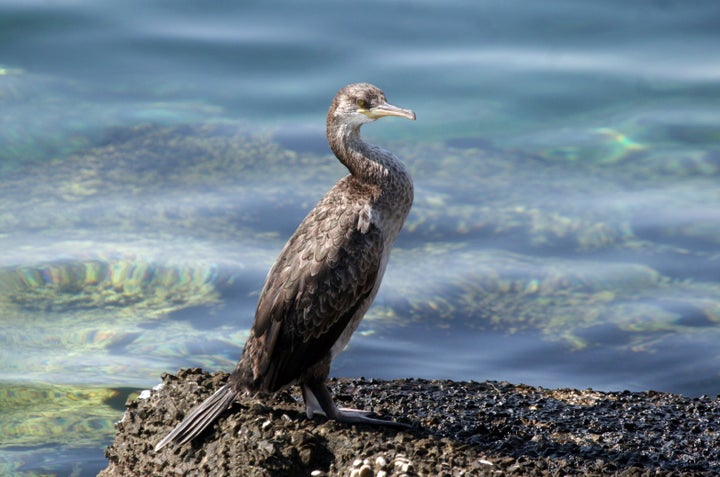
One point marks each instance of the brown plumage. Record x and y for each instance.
(326, 276)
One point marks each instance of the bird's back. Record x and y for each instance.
(325, 277)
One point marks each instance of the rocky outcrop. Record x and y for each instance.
(458, 428)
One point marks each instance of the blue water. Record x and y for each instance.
(566, 230)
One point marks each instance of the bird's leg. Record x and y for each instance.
(319, 401)
(312, 406)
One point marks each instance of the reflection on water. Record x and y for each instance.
(565, 232)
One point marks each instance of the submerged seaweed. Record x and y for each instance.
(42, 414)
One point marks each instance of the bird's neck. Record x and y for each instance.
(366, 162)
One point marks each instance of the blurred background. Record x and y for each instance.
(156, 155)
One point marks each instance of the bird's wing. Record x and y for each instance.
(324, 275)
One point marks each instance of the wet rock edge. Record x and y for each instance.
(459, 428)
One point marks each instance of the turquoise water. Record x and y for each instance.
(156, 155)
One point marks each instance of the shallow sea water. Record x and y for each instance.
(155, 156)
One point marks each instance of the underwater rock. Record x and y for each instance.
(95, 283)
(111, 317)
(459, 428)
(191, 181)
(457, 287)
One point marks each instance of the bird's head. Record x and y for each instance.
(360, 103)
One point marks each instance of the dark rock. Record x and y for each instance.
(459, 428)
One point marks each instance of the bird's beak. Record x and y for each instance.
(387, 109)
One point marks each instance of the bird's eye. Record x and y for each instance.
(362, 103)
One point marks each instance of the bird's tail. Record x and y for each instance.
(200, 417)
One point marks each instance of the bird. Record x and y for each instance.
(326, 276)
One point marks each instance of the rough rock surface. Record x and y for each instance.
(459, 428)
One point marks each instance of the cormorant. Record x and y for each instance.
(326, 276)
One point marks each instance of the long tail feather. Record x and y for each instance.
(200, 417)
